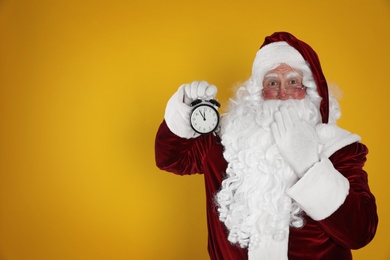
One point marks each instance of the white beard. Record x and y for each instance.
(253, 202)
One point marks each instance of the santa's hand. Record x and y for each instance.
(178, 109)
(198, 90)
(296, 140)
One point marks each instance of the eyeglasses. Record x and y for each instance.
(294, 91)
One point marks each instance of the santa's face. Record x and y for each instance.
(283, 83)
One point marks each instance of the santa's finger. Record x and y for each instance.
(187, 90)
(294, 116)
(194, 89)
(275, 132)
(202, 89)
(286, 118)
(279, 123)
(211, 91)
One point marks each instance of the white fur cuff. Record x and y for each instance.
(177, 116)
(321, 191)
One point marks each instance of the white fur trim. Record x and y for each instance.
(321, 191)
(274, 54)
(270, 249)
(332, 138)
(177, 116)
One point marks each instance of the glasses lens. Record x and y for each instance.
(291, 91)
(294, 90)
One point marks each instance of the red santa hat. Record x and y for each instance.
(283, 47)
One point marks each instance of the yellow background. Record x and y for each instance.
(83, 89)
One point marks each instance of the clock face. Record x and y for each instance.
(204, 119)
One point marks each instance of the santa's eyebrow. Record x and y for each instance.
(271, 75)
(293, 74)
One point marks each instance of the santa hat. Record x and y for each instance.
(283, 47)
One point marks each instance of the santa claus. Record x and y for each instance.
(283, 181)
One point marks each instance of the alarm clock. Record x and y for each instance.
(204, 117)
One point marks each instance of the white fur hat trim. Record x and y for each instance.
(272, 55)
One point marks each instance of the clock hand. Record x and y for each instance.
(203, 115)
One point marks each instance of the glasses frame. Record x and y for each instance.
(278, 90)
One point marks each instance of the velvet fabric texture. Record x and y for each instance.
(352, 226)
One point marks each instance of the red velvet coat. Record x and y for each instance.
(352, 226)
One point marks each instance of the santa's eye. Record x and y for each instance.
(293, 82)
(272, 83)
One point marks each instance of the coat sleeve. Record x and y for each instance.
(180, 155)
(353, 224)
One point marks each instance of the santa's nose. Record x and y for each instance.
(283, 94)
